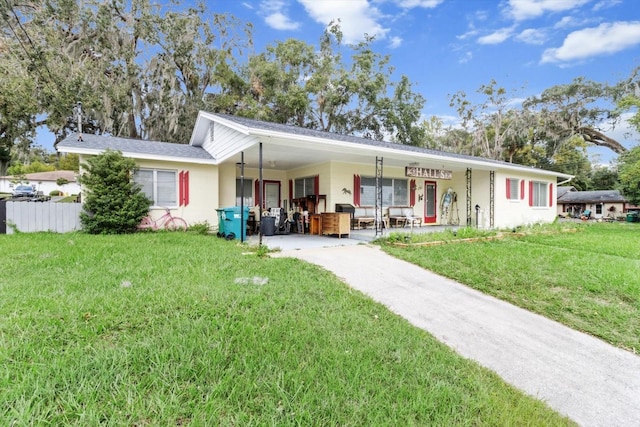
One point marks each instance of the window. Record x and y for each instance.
(395, 192)
(248, 199)
(158, 185)
(303, 187)
(538, 196)
(514, 189)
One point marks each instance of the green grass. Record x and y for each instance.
(588, 280)
(187, 329)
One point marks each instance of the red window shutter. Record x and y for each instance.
(356, 190)
(412, 192)
(550, 194)
(530, 193)
(180, 187)
(290, 190)
(186, 188)
(508, 188)
(316, 185)
(522, 189)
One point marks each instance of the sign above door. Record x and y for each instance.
(427, 173)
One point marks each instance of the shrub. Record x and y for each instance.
(114, 203)
(200, 228)
(55, 193)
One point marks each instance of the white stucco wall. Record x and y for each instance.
(511, 213)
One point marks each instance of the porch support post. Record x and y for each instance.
(260, 195)
(492, 197)
(469, 214)
(243, 229)
(378, 222)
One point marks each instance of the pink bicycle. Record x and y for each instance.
(166, 221)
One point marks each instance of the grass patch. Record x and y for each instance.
(188, 329)
(589, 280)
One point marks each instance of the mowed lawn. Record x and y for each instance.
(178, 329)
(587, 278)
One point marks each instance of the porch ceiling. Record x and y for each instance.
(285, 155)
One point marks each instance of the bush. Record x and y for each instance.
(114, 203)
(200, 228)
(55, 193)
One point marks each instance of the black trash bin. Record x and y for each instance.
(268, 225)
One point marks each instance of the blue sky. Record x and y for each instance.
(446, 46)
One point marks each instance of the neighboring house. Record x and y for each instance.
(318, 171)
(601, 203)
(44, 182)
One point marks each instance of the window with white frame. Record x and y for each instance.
(158, 185)
(303, 187)
(539, 193)
(395, 192)
(513, 189)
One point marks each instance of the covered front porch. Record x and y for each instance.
(295, 241)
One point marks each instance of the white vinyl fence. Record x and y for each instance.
(43, 216)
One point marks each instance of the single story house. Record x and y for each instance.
(44, 182)
(601, 203)
(316, 171)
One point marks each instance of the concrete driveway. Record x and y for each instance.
(593, 383)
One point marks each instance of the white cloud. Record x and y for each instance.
(275, 15)
(521, 10)
(281, 22)
(357, 17)
(604, 39)
(468, 56)
(532, 36)
(395, 42)
(427, 4)
(605, 4)
(496, 37)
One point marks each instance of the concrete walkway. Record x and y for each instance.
(593, 383)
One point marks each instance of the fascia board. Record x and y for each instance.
(140, 156)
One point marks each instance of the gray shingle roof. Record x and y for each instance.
(598, 196)
(137, 146)
(563, 189)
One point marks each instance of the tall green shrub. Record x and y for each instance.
(114, 203)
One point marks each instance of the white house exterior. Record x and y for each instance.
(296, 164)
(46, 182)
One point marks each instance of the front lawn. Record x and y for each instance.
(588, 279)
(184, 329)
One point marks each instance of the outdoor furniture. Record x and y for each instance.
(362, 216)
(402, 216)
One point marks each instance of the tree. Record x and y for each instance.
(140, 71)
(604, 178)
(493, 124)
(69, 162)
(627, 97)
(295, 83)
(578, 108)
(114, 203)
(629, 175)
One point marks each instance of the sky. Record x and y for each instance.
(447, 46)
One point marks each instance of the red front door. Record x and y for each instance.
(430, 202)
